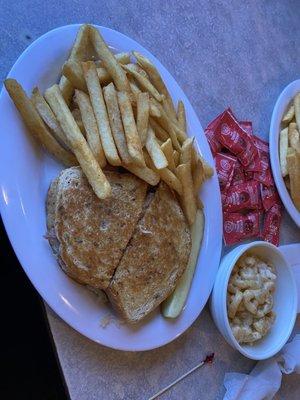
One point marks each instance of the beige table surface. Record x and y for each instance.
(222, 53)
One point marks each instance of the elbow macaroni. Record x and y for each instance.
(250, 299)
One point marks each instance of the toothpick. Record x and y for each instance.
(207, 359)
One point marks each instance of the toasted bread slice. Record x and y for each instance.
(154, 259)
(93, 233)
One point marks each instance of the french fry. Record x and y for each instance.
(283, 146)
(115, 120)
(122, 58)
(35, 124)
(297, 110)
(176, 157)
(160, 133)
(153, 110)
(110, 63)
(167, 149)
(165, 174)
(77, 116)
(198, 176)
(156, 79)
(143, 82)
(208, 170)
(293, 166)
(155, 152)
(189, 206)
(289, 115)
(48, 117)
(73, 72)
(181, 116)
(78, 144)
(186, 151)
(173, 305)
(90, 126)
(142, 119)
(79, 52)
(144, 173)
(133, 140)
(98, 104)
(138, 69)
(293, 137)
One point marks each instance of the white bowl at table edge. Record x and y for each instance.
(280, 107)
(286, 307)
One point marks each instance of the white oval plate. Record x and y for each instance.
(281, 106)
(25, 175)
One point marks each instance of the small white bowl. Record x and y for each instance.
(285, 301)
(280, 108)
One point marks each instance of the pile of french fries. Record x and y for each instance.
(109, 110)
(289, 150)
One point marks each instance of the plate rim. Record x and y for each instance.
(13, 241)
(283, 100)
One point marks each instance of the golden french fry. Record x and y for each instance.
(283, 146)
(111, 100)
(176, 157)
(143, 82)
(78, 144)
(160, 133)
(90, 126)
(173, 305)
(181, 116)
(109, 61)
(167, 149)
(293, 136)
(122, 58)
(35, 124)
(144, 173)
(79, 52)
(138, 69)
(186, 151)
(156, 79)
(142, 119)
(165, 174)
(98, 104)
(155, 152)
(289, 115)
(133, 140)
(208, 170)
(198, 176)
(77, 116)
(153, 110)
(181, 135)
(188, 200)
(48, 117)
(297, 110)
(73, 72)
(293, 166)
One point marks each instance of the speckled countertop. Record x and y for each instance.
(239, 54)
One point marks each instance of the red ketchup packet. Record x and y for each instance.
(247, 126)
(272, 225)
(249, 176)
(225, 165)
(235, 139)
(243, 196)
(269, 196)
(211, 137)
(238, 174)
(238, 227)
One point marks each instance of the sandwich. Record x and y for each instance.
(134, 246)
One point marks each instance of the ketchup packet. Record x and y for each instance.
(269, 196)
(225, 165)
(238, 174)
(234, 138)
(249, 176)
(211, 137)
(243, 196)
(264, 177)
(247, 126)
(271, 226)
(238, 227)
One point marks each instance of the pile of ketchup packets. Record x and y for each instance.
(251, 205)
